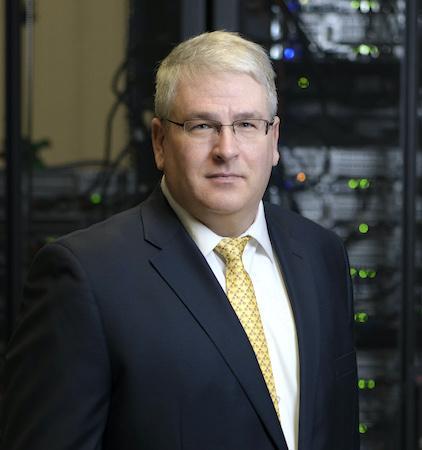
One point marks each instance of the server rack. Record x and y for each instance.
(349, 85)
(348, 82)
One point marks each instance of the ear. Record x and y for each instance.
(275, 129)
(157, 134)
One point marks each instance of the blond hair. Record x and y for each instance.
(214, 52)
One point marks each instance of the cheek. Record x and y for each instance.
(182, 164)
(276, 157)
(264, 165)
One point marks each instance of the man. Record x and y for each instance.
(145, 332)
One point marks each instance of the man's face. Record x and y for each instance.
(222, 179)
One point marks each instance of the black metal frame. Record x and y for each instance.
(226, 15)
(193, 16)
(409, 144)
(14, 161)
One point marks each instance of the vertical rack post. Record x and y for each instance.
(409, 143)
(14, 254)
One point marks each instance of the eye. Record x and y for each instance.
(202, 126)
(246, 124)
(194, 126)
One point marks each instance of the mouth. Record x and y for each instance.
(224, 176)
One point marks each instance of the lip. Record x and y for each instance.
(224, 175)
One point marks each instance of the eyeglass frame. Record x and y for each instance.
(220, 125)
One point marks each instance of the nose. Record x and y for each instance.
(225, 146)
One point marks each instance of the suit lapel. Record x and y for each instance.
(301, 288)
(185, 270)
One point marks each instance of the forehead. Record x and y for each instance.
(224, 94)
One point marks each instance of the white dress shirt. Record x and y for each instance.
(273, 303)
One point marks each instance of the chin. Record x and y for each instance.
(224, 208)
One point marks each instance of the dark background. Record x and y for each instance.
(348, 78)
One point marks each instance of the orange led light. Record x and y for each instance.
(301, 177)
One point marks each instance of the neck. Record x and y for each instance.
(228, 226)
(225, 225)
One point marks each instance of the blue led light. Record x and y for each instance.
(288, 185)
(289, 53)
(293, 5)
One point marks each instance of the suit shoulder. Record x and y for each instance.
(112, 234)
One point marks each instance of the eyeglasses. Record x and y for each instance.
(203, 129)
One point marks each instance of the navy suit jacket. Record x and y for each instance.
(126, 341)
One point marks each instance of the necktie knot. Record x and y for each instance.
(231, 249)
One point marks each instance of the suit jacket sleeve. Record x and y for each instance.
(57, 374)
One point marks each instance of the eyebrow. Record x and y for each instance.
(249, 115)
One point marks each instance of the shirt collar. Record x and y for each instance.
(206, 239)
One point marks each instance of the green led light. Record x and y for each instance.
(96, 198)
(363, 228)
(353, 272)
(361, 383)
(371, 384)
(372, 273)
(364, 49)
(352, 183)
(375, 6)
(362, 428)
(303, 82)
(365, 7)
(355, 4)
(50, 239)
(363, 273)
(375, 51)
(364, 183)
(361, 317)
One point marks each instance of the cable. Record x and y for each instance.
(112, 169)
(102, 179)
(300, 28)
(99, 179)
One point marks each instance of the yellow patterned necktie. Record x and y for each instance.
(241, 294)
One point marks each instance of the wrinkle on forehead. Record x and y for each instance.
(222, 97)
(206, 115)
